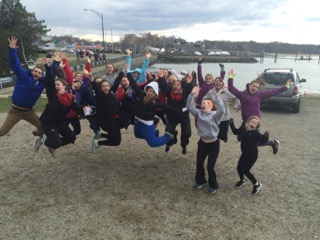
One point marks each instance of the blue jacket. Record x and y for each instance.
(142, 71)
(26, 90)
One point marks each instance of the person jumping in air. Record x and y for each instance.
(147, 104)
(27, 91)
(251, 138)
(208, 119)
(250, 101)
(53, 121)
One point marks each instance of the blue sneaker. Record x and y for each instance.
(94, 146)
(97, 135)
(212, 190)
(199, 185)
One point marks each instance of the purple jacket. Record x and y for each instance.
(250, 103)
(204, 88)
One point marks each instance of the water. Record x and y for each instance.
(246, 72)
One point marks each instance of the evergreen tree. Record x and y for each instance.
(16, 21)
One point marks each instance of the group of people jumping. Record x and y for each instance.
(116, 100)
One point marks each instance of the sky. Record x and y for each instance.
(288, 21)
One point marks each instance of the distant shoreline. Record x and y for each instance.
(211, 59)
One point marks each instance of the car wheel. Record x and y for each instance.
(296, 107)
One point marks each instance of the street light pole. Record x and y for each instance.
(100, 15)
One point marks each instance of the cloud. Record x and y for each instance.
(192, 20)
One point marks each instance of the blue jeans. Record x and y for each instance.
(148, 133)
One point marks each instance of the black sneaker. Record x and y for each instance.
(275, 146)
(157, 132)
(175, 140)
(167, 148)
(156, 120)
(184, 151)
(240, 183)
(199, 185)
(212, 190)
(256, 188)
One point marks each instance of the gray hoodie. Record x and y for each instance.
(207, 123)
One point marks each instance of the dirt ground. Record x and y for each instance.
(137, 192)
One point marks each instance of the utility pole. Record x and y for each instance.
(100, 15)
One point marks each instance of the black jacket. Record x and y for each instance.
(148, 111)
(250, 139)
(54, 113)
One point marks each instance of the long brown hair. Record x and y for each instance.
(260, 80)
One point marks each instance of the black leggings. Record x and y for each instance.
(75, 123)
(185, 131)
(113, 135)
(210, 150)
(246, 162)
(58, 135)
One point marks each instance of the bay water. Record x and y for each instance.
(246, 72)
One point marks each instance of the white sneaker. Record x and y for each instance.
(37, 144)
(94, 146)
(52, 152)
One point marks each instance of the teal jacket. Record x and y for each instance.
(143, 71)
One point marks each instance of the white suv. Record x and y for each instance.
(275, 77)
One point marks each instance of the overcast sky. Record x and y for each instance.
(289, 21)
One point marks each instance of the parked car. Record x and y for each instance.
(275, 77)
(49, 54)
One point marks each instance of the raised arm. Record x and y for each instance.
(231, 87)
(190, 101)
(273, 92)
(15, 64)
(117, 81)
(134, 85)
(88, 65)
(67, 70)
(163, 83)
(128, 59)
(200, 77)
(143, 74)
(49, 80)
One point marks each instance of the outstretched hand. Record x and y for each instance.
(56, 57)
(219, 92)
(128, 51)
(161, 73)
(13, 42)
(195, 90)
(189, 78)
(288, 83)
(148, 55)
(231, 73)
(125, 67)
(45, 61)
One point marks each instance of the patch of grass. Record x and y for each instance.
(5, 104)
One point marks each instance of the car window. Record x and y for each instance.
(278, 78)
